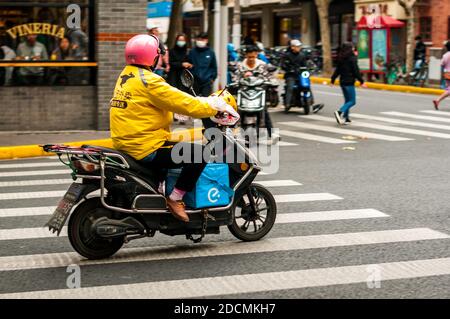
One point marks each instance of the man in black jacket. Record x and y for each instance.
(204, 65)
(293, 59)
(419, 52)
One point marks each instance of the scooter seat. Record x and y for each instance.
(148, 173)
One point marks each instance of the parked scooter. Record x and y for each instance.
(116, 200)
(302, 94)
(419, 75)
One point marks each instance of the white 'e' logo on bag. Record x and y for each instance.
(213, 195)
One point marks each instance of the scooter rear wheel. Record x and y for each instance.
(251, 224)
(81, 233)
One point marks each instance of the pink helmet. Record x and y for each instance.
(142, 49)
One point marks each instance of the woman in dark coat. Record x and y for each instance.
(178, 62)
(348, 72)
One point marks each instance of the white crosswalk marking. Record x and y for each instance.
(38, 182)
(29, 165)
(26, 211)
(280, 143)
(35, 173)
(312, 137)
(418, 116)
(329, 215)
(224, 248)
(278, 183)
(248, 283)
(26, 195)
(28, 233)
(346, 131)
(402, 122)
(305, 197)
(444, 113)
(383, 127)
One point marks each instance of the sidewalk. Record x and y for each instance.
(51, 137)
(26, 144)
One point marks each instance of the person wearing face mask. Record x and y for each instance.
(204, 65)
(178, 62)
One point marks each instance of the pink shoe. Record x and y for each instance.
(436, 105)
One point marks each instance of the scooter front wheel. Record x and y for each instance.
(254, 214)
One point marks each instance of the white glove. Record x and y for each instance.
(215, 102)
(227, 117)
(181, 117)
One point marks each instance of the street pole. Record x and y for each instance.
(237, 24)
(223, 61)
(217, 39)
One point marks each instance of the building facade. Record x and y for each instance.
(67, 90)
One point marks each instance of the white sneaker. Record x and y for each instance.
(338, 116)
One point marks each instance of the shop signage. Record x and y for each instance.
(159, 9)
(36, 28)
(377, 8)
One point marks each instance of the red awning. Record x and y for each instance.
(379, 22)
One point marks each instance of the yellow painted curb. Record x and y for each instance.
(387, 87)
(23, 151)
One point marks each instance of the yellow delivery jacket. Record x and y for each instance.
(141, 111)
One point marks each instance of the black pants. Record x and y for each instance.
(268, 122)
(290, 82)
(192, 165)
(203, 89)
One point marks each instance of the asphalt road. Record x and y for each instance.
(368, 217)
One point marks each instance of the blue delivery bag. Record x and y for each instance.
(212, 188)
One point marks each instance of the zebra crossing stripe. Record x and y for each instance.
(250, 283)
(26, 211)
(279, 143)
(419, 117)
(304, 217)
(278, 183)
(401, 122)
(29, 165)
(346, 131)
(287, 198)
(35, 173)
(23, 262)
(444, 113)
(312, 137)
(383, 127)
(29, 195)
(38, 182)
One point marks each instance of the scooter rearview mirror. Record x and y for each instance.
(187, 79)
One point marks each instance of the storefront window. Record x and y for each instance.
(46, 43)
(287, 28)
(425, 28)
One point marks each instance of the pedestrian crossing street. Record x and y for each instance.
(22, 218)
(390, 126)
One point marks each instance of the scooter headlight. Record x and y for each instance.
(305, 74)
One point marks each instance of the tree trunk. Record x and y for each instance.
(236, 34)
(322, 9)
(205, 15)
(411, 40)
(410, 9)
(175, 25)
